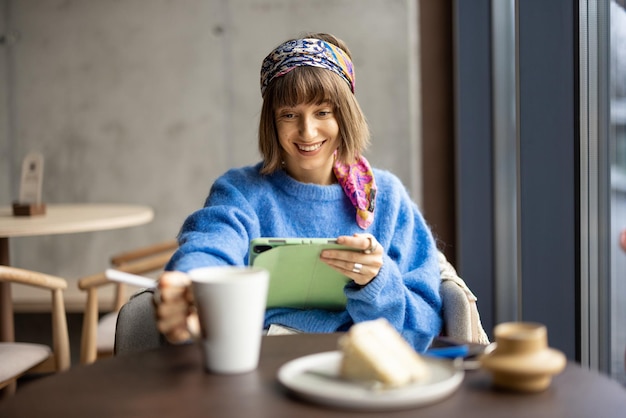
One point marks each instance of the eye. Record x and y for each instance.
(324, 109)
(325, 112)
(285, 113)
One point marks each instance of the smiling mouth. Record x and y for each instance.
(310, 148)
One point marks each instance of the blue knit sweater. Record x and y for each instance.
(243, 204)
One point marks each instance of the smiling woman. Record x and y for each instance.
(315, 182)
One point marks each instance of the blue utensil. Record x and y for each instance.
(453, 351)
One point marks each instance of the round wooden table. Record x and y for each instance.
(60, 219)
(66, 219)
(171, 382)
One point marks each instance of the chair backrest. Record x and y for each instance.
(136, 328)
(460, 312)
(139, 261)
(59, 358)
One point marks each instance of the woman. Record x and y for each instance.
(314, 182)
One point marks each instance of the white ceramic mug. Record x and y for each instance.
(231, 308)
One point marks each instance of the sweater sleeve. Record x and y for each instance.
(217, 234)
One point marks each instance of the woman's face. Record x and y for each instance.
(308, 135)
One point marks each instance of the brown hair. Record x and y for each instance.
(313, 85)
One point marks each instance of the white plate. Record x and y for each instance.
(315, 378)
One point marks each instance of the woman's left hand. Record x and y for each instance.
(361, 266)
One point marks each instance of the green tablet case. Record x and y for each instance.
(298, 278)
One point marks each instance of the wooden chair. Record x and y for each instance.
(17, 358)
(98, 335)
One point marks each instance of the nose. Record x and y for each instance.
(308, 128)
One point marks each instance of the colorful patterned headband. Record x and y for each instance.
(306, 52)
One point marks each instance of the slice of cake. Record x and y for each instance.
(375, 351)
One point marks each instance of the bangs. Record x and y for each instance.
(306, 85)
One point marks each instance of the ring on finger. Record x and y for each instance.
(357, 268)
(373, 245)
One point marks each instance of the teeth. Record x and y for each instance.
(309, 148)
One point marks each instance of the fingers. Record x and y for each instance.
(361, 266)
(373, 244)
(360, 273)
(357, 267)
(364, 242)
(171, 313)
(174, 306)
(173, 285)
(183, 331)
(177, 335)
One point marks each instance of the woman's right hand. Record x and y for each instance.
(176, 314)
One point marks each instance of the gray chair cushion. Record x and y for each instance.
(136, 328)
(456, 312)
(17, 358)
(460, 312)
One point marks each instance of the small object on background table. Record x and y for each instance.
(28, 209)
(29, 203)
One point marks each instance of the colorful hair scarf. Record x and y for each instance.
(357, 181)
(306, 52)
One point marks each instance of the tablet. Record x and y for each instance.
(298, 278)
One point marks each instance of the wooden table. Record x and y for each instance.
(170, 382)
(59, 219)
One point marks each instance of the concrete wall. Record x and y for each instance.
(148, 101)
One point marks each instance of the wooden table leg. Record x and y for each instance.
(7, 332)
